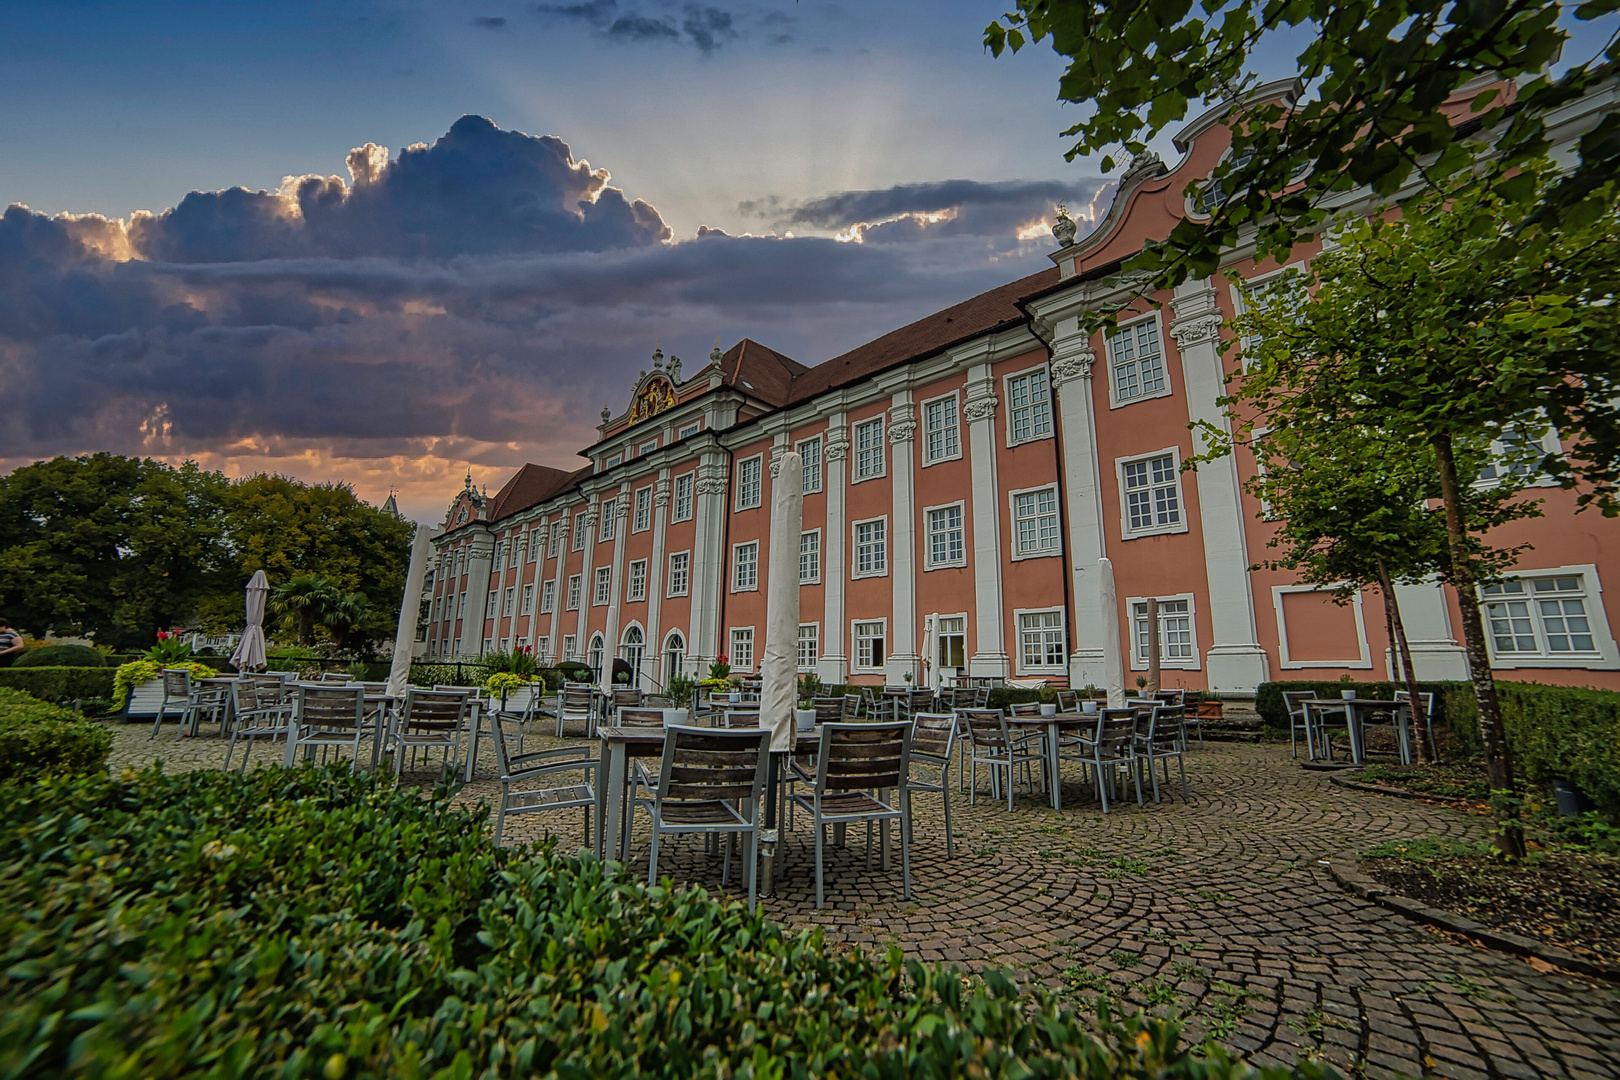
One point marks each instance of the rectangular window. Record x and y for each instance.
(745, 566)
(528, 600)
(689, 429)
(810, 557)
(500, 556)
(810, 454)
(511, 601)
(1029, 407)
(742, 648)
(490, 602)
(536, 543)
(679, 565)
(489, 645)
(556, 539)
(573, 592)
(1152, 488)
(1035, 523)
(869, 459)
(1175, 633)
(749, 473)
(681, 505)
(643, 520)
(603, 592)
(548, 597)
(579, 531)
(870, 640)
(647, 447)
(872, 548)
(1040, 640)
(1515, 454)
(635, 587)
(542, 648)
(947, 545)
(1137, 361)
(1540, 616)
(607, 523)
(809, 646)
(941, 438)
(952, 637)
(461, 606)
(569, 642)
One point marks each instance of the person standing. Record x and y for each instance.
(11, 643)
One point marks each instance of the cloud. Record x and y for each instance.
(473, 301)
(490, 22)
(701, 25)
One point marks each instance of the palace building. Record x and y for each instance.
(974, 466)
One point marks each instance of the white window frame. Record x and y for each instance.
(684, 585)
(1018, 637)
(1013, 553)
(1240, 305)
(576, 592)
(855, 548)
(675, 513)
(881, 449)
(548, 596)
(688, 430)
(1114, 400)
(815, 578)
(527, 607)
(489, 646)
(798, 649)
(757, 463)
(966, 652)
(542, 648)
(491, 610)
(1042, 376)
(631, 592)
(731, 647)
(579, 531)
(808, 487)
(960, 506)
(737, 584)
(663, 653)
(602, 586)
(607, 523)
(1363, 658)
(641, 519)
(570, 646)
(1549, 444)
(948, 434)
(1606, 656)
(509, 602)
(855, 644)
(646, 448)
(1125, 530)
(554, 546)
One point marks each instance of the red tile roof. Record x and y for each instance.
(530, 485)
(760, 372)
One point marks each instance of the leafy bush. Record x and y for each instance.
(59, 683)
(61, 656)
(40, 739)
(136, 672)
(305, 923)
(1560, 733)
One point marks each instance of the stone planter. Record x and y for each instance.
(805, 718)
(1209, 710)
(144, 700)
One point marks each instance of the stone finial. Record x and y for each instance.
(675, 368)
(1064, 227)
(714, 353)
(467, 484)
(607, 414)
(658, 359)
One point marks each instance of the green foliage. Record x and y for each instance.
(1378, 76)
(59, 683)
(680, 690)
(38, 739)
(503, 683)
(303, 601)
(1460, 719)
(128, 676)
(1563, 733)
(520, 661)
(169, 650)
(173, 925)
(60, 656)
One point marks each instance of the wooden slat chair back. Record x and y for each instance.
(829, 710)
(1113, 745)
(521, 769)
(260, 713)
(1024, 708)
(852, 706)
(334, 677)
(711, 782)
(985, 728)
(327, 715)
(270, 689)
(740, 718)
(933, 744)
(863, 757)
(918, 701)
(430, 718)
(576, 701)
(852, 761)
(1068, 701)
(628, 698)
(640, 718)
(1160, 737)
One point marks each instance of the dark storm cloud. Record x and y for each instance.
(490, 22)
(701, 25)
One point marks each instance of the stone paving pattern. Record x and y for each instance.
(1216, 907)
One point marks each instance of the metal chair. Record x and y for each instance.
(933, 744)
(1112, 745)
(194, 701)
(576, 701)
(327, 716)
(520, 768)
(261, 713)
(829, 710)
(1068, 701)
(852, 761)
(339, 677)
(1024, 708)
(740, 718)
(1426, 703)
(993, 744)
(1299, 721)
(1160, 736)
(711, 782)
(521, 707)
(626, 699)
(430, 718)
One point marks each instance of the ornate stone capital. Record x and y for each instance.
(979, 407)
(836, 446)
(621, 508)
(661, 494)
(1195, 331)
(587, 520)
(1073, 364)
(902, 423)
(711, 485)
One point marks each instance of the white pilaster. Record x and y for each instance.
(902, 658)
(1072, 363)
(989, 617)
(587, 523)
(1235, 659)
(655, 585)
(621, 525)
(559, 596)
(708, 559)
(834, 665)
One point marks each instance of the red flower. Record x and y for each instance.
(723, 659)
(163, 635)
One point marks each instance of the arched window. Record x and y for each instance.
(631, 648)
(674, 656)
(594, 657)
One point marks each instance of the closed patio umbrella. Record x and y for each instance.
(779, 679)
(930, 647)
(1113, 658)
(399, 672)
(249, 654)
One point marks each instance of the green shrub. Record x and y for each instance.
(1560, 733)
(40, 739)
(59, 683)
(60, 656)
(306, 923)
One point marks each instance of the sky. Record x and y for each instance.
(391, 241)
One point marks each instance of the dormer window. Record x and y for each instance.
(612, 460)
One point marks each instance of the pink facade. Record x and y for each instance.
(973, 467)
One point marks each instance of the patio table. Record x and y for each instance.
(1053, 725)
(1353, 709)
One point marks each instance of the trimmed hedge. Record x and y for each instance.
(40, 739)
(59, 683)
(307, 923)
(60, 656)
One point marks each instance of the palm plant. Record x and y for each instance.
(344, 616)
(305, 600)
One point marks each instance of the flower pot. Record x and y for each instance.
(1048, 711)
(674, 717)
(1209, 710)
(1348, 695)
(1089, 708)
(1571, 803)
(805, 718)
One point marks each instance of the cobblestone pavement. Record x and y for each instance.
(1216, 907)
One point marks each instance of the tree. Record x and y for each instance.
(346, 618)
(1376, 76)
(304, 601)
(1450, 328)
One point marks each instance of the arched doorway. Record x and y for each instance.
(674, 656)
(594, 657)
(631, 649)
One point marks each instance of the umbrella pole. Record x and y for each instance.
(768, 835)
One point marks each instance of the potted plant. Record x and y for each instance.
(138, 685)
(1209, 707)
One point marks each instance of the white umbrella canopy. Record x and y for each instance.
(399, 672)
(930, 646)
(1113, 657)
(249, 654)
(779, 677)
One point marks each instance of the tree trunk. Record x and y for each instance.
(306, 628)
(1499, 769)
(1420, 717)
